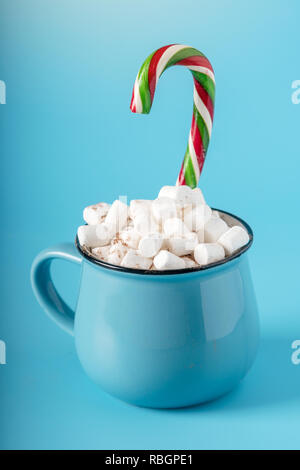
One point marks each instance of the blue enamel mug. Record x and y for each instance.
(158, 339)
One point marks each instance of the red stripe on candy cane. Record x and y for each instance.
(198, 144)
(196, 60)
(152, 69)
(132, 103)
(205, 98)
(181, 178)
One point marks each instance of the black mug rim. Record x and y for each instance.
(148, 272)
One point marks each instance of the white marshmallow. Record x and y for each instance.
(197, 197)
(96, 213)
(150, 245)
(233, 239)
(101, 252)
(130, 238)
(144, 223)
(93, 236)
(215, 213)
(129, 225)
(117, 216)
(213, 229)
(117, 252)
(133, 260)
(166, 260)
(182, 246)
(163, 208)
(200, 235)
(174, 227)
(114, 258)
(206, 253)
(139, 205)
(197, 217)
(182, 195)
(103, 233)
(189, 262)
(167, 191)
(180, 211)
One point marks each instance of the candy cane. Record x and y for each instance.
(204, 94)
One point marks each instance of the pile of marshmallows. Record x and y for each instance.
(178, 230)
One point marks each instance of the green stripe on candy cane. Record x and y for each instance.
(183, 54)
(144, 85)
(189, 171)
(206, 82)
(202, 128)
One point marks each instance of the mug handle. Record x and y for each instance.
(44, 289)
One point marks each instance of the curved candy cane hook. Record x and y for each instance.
(204, 95)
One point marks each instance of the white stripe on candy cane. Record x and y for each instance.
(137, 97)
(194, 158)
(203, 111)
(166, 57)
(206, 71)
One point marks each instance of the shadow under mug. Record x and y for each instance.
(158, 339)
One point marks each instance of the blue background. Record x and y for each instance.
(68, 139)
